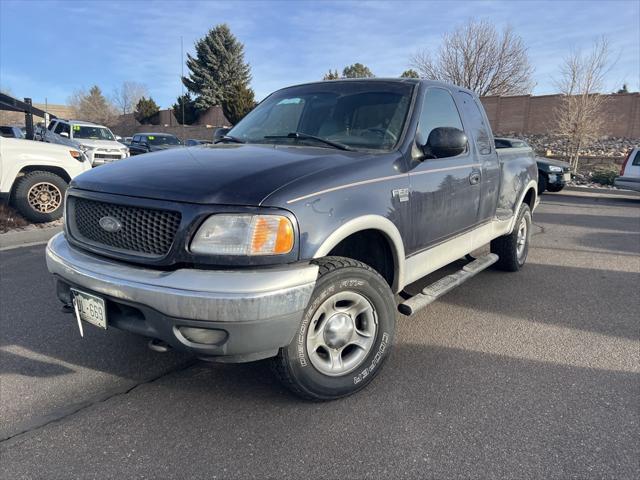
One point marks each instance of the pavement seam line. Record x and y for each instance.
(35, 425)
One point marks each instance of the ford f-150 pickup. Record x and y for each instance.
(289, 238)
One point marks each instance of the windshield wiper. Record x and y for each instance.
(306, 136)
(229, 138)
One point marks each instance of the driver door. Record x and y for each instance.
(445, 192)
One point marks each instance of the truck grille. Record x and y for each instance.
(107, 156)
(142, 231)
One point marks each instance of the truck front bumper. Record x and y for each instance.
(247, 314)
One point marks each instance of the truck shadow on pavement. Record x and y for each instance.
(610, 222)
(434, 412)
(593, 300)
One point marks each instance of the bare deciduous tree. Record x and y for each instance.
(127, 96)
(579, 116)
(477, 57)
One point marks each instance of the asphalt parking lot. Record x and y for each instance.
(526, 375)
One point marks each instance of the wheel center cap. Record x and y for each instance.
(338, 330)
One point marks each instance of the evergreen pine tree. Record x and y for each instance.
(217, 68)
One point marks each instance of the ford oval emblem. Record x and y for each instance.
(110, 224)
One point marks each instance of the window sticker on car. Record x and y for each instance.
(289, 101)
(76, 128)
(151, 137)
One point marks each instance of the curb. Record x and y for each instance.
(25, 238)
(602, 190)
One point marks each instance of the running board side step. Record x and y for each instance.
(437, 289)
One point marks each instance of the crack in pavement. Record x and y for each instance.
(60, 414)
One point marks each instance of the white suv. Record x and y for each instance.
(96, 141)
(629, 178)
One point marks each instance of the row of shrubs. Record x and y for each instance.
(604, 176)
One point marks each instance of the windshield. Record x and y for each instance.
(364, 114)
(163, 140)
(92, 133)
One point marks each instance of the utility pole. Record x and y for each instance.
(184, 139)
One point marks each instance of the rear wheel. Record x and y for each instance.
(512, 249)
(345, 334)
(39, 196)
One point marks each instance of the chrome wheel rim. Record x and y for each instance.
(521, 241)
(44, 197)
(341, 333)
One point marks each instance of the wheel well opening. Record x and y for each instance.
(530, 198)
(370, 247)
(46, 168)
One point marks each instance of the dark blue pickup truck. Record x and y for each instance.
(291, 236)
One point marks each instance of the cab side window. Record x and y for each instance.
(476, 122)
(438, 110)
(51, 124)
(62, 128)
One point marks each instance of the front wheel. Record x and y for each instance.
(345, 335)
(512, 249)
(39, 196)
(542, 183)
(554, 188)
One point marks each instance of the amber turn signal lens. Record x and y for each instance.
(272, 235)
(284, 240)
(75, 153)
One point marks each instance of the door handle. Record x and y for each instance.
(474, 177)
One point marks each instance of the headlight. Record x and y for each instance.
(85, 148)
(244, 235)
(555, 169)
(77, 155)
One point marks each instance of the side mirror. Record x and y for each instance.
(445, 142)
(64, 134)
(219, 133)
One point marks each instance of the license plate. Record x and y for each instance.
(90, 309)
(567, 177)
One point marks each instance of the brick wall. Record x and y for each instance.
(17, 118)
(534, 115)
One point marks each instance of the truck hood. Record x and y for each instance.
(158, 148)
(222, 174)
(551, 161)
(102, 144)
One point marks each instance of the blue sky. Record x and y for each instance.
(50, 48)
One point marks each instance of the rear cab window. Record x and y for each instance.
(477, 123)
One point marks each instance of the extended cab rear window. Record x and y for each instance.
(476, 123)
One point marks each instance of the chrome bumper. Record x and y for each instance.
(210, 295)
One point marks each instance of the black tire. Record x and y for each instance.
(46, 211)
(554, 188)
(294, 366)
(543, 181)
(511, 259)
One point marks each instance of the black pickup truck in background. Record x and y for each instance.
(152, 142)
(290, 237)
(553, 174)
